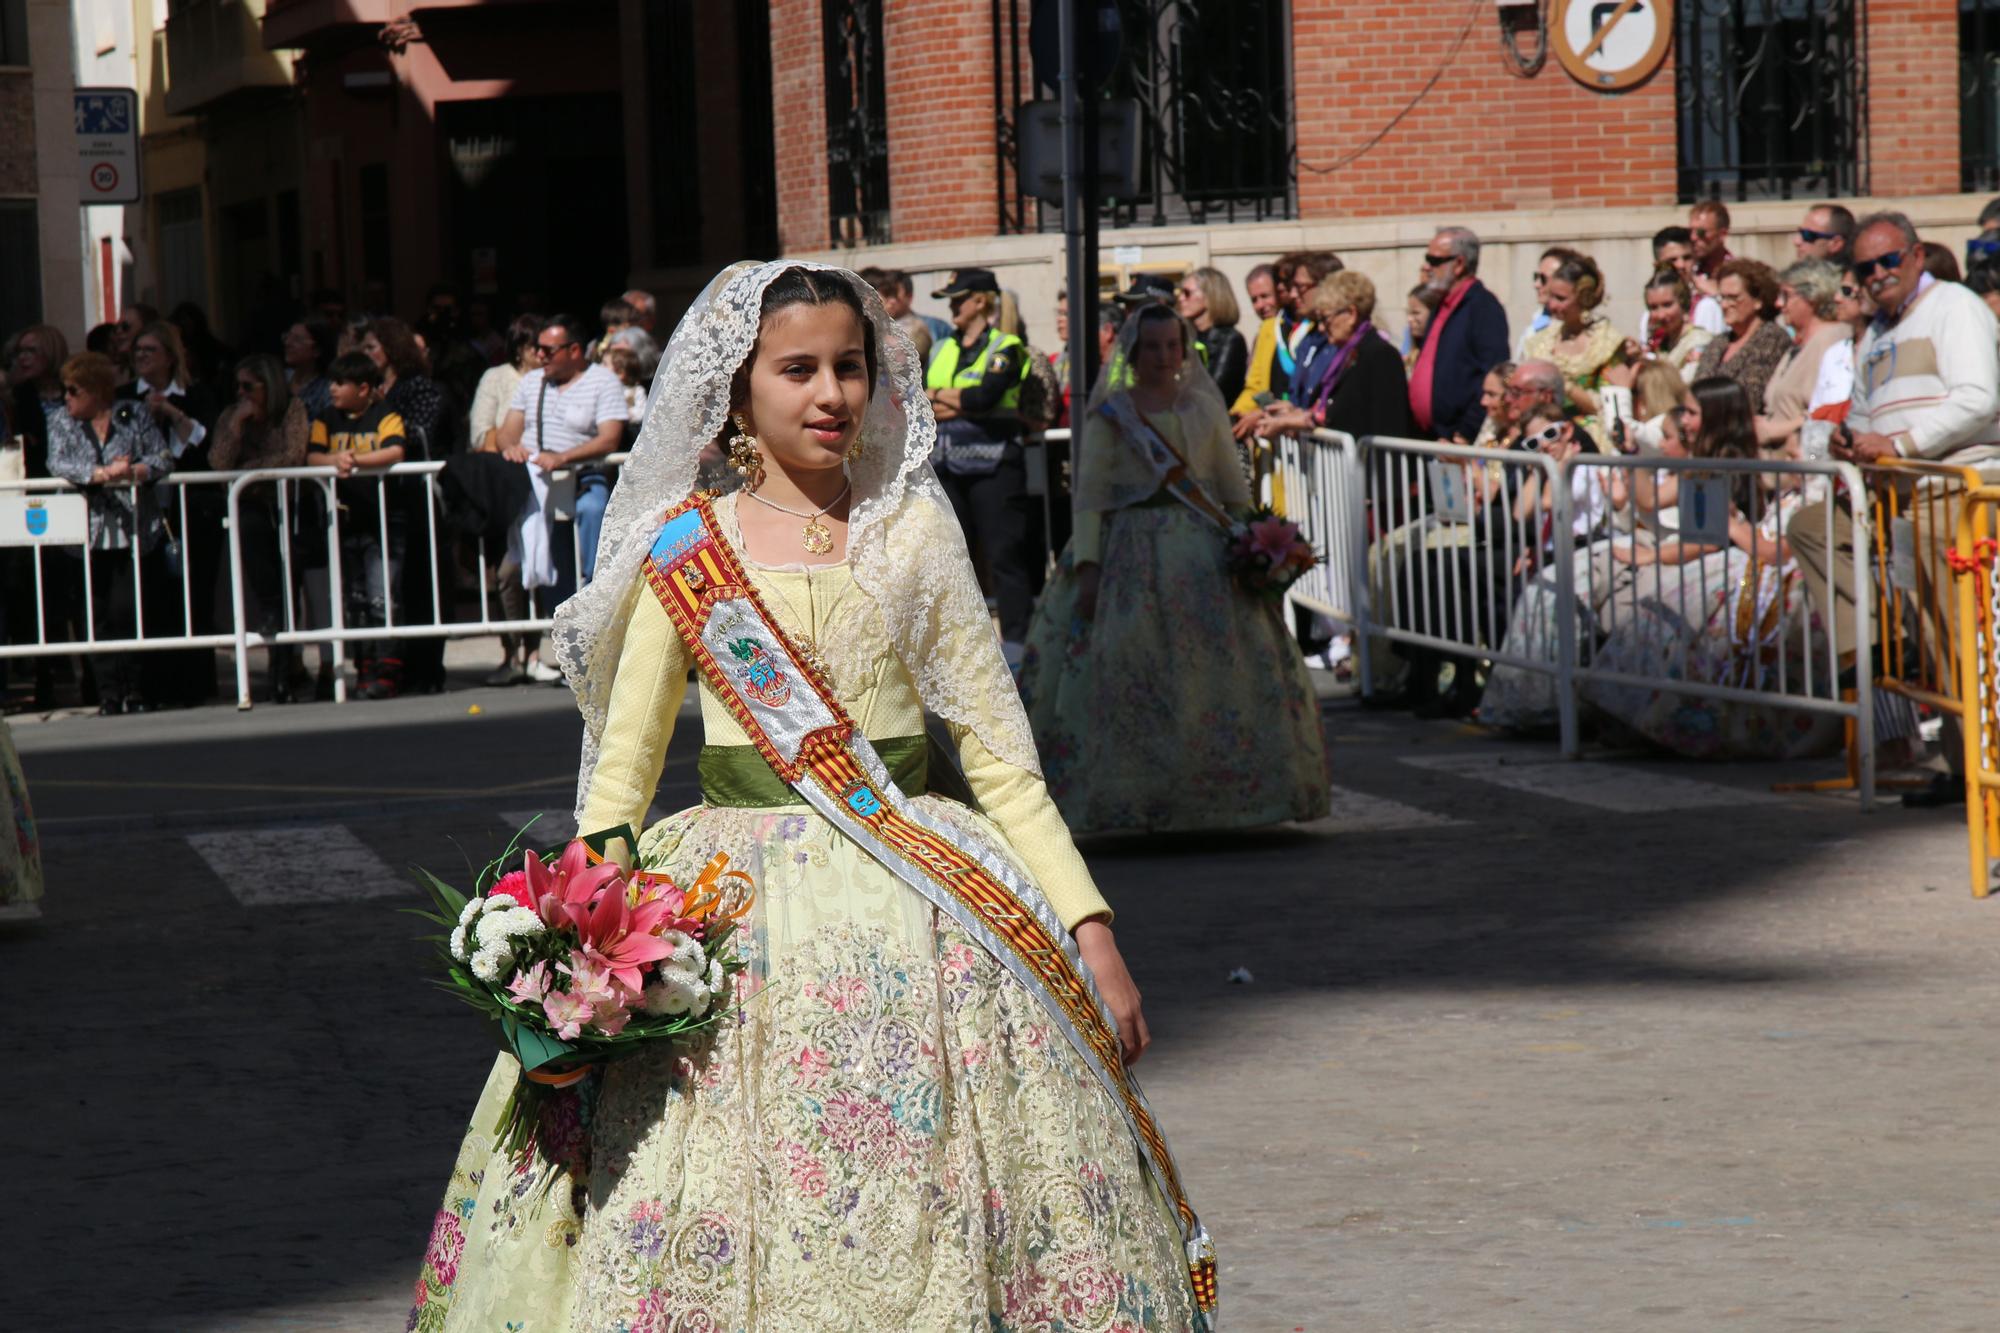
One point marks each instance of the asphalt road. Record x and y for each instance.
(1527, 1045)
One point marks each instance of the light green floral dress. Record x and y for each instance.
(890, 1134)
(20, 846)
(1185, 703)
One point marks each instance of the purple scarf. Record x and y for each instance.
(1338, 366)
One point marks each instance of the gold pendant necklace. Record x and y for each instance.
(816, 537)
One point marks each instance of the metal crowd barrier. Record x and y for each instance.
(425, 542)
(1433, 545)
(1974, 563)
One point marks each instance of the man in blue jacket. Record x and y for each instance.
(1467, 337)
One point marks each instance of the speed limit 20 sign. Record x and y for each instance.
(107, 144)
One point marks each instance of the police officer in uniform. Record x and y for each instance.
(974, 386)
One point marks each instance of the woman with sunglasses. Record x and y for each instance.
(1205, 300)
(1751, 348)
(116, 454)
(1735, 615)
(1519, 698)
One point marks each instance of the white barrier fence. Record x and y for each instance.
(1688, 587)
(310, 507)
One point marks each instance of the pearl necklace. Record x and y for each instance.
(816, 537)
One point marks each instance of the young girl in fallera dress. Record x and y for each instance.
(1163, 696)
(892, 1130)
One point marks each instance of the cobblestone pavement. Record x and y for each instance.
(1526, 1046)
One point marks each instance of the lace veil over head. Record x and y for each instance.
(1115, 476)
(904, 544)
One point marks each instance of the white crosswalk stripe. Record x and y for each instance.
(1614, 787)
(1358, 812)
(310, 863)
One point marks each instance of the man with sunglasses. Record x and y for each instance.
(567, 411)
(1466, 337)
(1708, 232)
(1926, 386)
(1826, 233)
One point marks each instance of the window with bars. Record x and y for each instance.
(1213, 86)
(1979, 94)
(857, 125)
(1772, 98)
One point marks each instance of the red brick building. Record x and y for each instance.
(1359, 125)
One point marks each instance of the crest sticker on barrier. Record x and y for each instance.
(1704, 510)
(44, 520)
(1449, 501)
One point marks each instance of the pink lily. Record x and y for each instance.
(618, 937)
(567, 1013)
(571, 881)
(1272, 538)
(531, 986)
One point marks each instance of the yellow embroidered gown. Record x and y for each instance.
(891, 1134)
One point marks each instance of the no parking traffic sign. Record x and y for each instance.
(107, 144)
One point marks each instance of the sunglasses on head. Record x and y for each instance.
(1865, 269)
(1809, 236)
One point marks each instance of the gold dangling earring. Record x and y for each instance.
(854, 451)
(744, 455)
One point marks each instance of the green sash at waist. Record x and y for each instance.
(737, 775)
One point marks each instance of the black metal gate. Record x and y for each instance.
(1773, 98)
(857, 126)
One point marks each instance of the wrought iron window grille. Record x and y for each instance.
(1772, 98)
(857, 125)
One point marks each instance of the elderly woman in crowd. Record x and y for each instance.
(1671, 334)
(1752, 345)
(116, 454)
(1578, 341)
(1808, 293)
(1356, 383)
(1206, 301)
(309, 349)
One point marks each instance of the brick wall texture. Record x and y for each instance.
(1483, 140)
(1913, 103)
(798, 96)
(17, 135)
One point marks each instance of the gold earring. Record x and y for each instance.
(745, 457)
(854, 451)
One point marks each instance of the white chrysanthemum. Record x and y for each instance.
(508, 923)
(492, 961)
(473, 907)
(687, 955)
(459, 948)
(715, 977)
(676, 992)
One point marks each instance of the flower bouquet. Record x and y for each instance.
(1267, 554)
(581, 961)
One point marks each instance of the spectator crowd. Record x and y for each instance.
(1870, 344)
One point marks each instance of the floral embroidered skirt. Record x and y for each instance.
(889, 1134)
(20, 847)
(1185, 704)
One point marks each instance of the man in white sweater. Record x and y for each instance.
(1926, 387)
